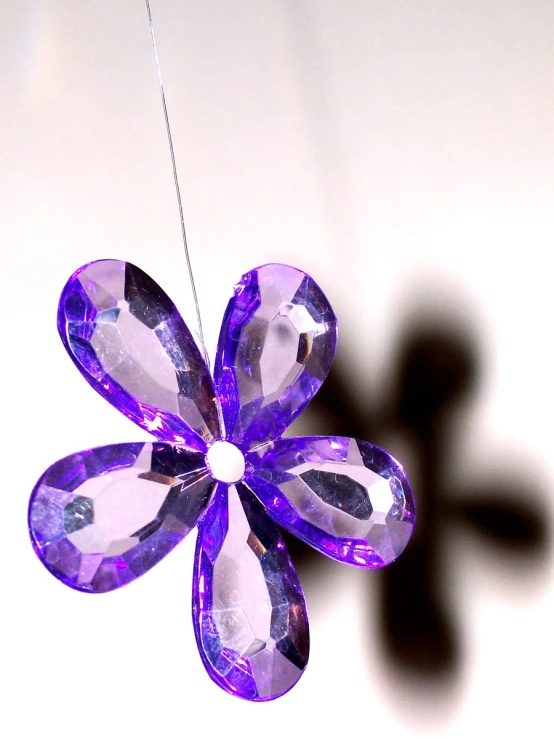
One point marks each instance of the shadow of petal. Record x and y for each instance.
(505, 522)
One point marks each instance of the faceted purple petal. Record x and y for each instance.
(275, 349)
(101, 518)
(248, 607)
(347, 498)
(127, 338)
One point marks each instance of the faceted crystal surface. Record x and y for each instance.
(249, 612)
(131, 344)
(347, 498)
(276, 346)
(101, 518)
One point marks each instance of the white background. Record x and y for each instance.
(398, 151)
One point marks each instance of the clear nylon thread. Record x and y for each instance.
(177, 189)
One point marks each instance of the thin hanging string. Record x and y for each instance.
(177, 189)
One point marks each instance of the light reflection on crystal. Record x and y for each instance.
(348, 498)
(131, 344)
(103, 517)
(277, 343)
(249, 610)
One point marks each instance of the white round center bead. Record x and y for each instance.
(225, 461)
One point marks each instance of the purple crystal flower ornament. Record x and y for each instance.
(102, 517)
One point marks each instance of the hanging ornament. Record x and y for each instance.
(101, 518)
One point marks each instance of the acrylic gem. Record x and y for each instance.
(100, 518)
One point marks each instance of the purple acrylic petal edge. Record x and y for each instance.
(345, 497)
(276, 346)
(165, 386)
(262, 658)
(100, 518)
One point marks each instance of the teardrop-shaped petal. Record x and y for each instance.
(130, 343)
(347, 498)
(275, 349)
(101, 518)
(248, 607)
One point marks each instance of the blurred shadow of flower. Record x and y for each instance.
(437, 369)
